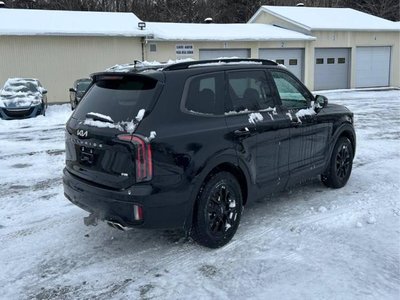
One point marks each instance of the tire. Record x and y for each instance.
(340, 165)
(43, 109)
(218, 211)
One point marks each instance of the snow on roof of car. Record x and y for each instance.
(17, 80)
(327, 18)
(222, 32)
(68, 23)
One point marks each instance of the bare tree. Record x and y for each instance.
(222, 11)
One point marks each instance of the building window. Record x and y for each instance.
(280, 61)
(341, 60)
(319, 61)
(330, 61)
(292, 62)
(153, 47)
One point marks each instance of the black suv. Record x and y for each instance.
(190, 144)
(76, 93)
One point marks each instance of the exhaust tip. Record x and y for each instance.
(116, 225)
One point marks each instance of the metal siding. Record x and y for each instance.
(217, 53)
(372, 66)
(286, 55)
(332, 76)
(58, 61)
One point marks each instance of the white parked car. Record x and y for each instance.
(22, 98)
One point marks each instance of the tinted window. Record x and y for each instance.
(82, 86)
(248, 90)
(292, 94)
(119, 97)
(204, 94)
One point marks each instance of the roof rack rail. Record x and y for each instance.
(186, 65)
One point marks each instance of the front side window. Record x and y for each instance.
(204, 94)
(248, 91)
(292, 94)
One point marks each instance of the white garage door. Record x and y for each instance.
(218, 53)
(293, 59)
(372, 66)
(332, 68)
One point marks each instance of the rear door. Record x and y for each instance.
(98, 144)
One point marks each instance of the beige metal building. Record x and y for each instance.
(327, 48)
(58, 47)
(352, 49)
(208, 41)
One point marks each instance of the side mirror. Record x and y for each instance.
(44, 91)
(320, 103)
(72, 94)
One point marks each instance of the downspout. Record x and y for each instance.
(143, 42)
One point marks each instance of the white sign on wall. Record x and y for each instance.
(184, 50)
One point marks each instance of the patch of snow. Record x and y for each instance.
(220, 63)
(140, 115)
(153, 135)
(328, 18)
(101, 124)
(305, 112)
(255, 117)
(234, 112)
(94, 114)
(20, 92)
(223, 32)
(69, 23)
(129, 127)
(290, 116)
(37, 222)
(371, 220)
(143, 64)
(322, 209)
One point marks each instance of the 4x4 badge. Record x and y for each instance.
(82, 133)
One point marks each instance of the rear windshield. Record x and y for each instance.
(119, 97)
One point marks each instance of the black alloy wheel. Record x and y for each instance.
(340, 165)
(218, 211)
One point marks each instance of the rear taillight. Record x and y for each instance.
(143, 156)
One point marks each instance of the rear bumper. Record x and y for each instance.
(160, 210)
(21, 113)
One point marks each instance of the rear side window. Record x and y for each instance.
(119, 97)
(204, 94)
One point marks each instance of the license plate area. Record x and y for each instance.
(86, 155)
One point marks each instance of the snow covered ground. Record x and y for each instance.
(306, 243)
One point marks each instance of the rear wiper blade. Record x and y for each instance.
(99, 117)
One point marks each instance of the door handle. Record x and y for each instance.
(242, 132)
(295, 123)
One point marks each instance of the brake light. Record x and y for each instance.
(143, 156)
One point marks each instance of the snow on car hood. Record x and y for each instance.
(20, 93)
(19, 99)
